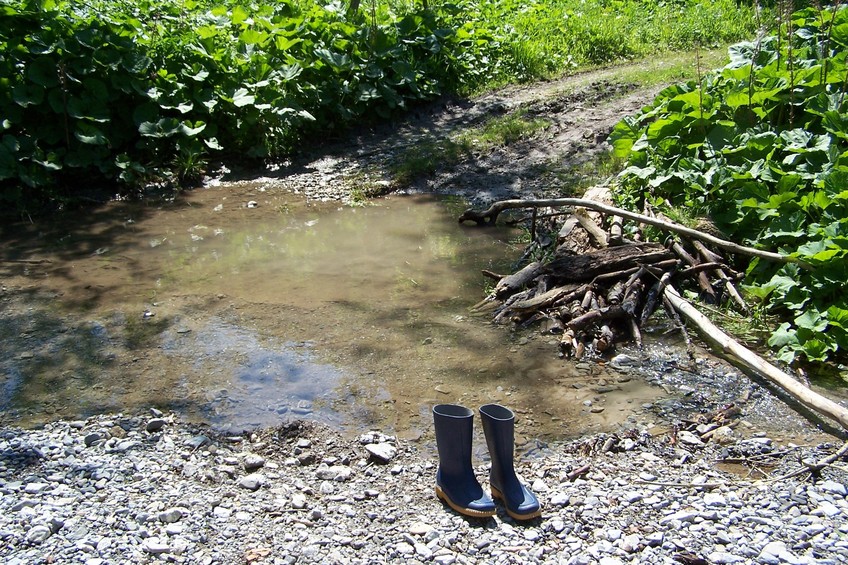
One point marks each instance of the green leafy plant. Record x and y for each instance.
(132, 92)
(761, 147)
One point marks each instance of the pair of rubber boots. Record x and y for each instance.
(455, 480)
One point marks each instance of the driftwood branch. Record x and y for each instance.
(753, 362)
(490, 215)
(817, 467)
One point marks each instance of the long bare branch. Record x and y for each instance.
(491, 215)
(753, 362)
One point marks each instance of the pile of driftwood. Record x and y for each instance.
(596, 288)
(593, 297)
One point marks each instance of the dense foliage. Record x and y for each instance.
(144, 90)
(761, 148)
(130, 90)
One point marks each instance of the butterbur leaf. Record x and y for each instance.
(285, 43)
(252, 37)
(243, 98)
(89, 134)
(336, 60)
(28, 94)
(136, 62)
(811, 320)
(838, 316)
(239, 15)
(165, 127)
(783, 336)
(212, 143)
(189, 130)
(817, 349)
(43, 72)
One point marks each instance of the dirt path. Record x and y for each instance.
(581, 109)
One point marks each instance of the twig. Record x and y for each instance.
(580, 471)
(815, 468)
(26, 261)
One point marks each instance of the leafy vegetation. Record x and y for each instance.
(760, 148)
(151, 90)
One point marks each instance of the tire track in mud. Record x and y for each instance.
(582, 109)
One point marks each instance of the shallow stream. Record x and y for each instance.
(245, 305)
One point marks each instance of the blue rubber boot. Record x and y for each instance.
(499, 427)
(455, 480)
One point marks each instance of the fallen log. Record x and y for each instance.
(585, 267)
(516, 281)
(596, 234)
(490, 215)
(548, 298)
(753, 362)
(653, 296)
(729, 287)
(616, 233)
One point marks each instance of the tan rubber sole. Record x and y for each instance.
(466, 511)
(497, 494)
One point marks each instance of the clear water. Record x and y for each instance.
(248, 315)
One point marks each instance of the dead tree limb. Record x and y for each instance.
(490, 216)
(814, 468)
(703, 281)
(548, 298)
(585, 267)
(596, 234)
(516, 281)
(728, 284)
(753, 362)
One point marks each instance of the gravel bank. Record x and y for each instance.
(121, 489)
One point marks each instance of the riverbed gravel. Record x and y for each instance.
(149, 488)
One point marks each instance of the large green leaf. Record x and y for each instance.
(90, 134)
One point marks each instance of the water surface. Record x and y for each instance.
(244, 305)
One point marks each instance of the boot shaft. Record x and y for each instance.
(499, 428)
(454, 429)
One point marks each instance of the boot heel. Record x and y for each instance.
(496, 493)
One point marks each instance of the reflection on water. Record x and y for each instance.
(245, 316)
(247, 382)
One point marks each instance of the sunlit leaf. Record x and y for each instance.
(89, 134)
(243, 98)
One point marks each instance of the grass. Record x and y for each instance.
(546, 38)
(671, 67)
(503, 130)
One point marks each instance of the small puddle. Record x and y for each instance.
(244, 305)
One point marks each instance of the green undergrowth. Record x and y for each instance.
(760, 150)
(127, 93)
